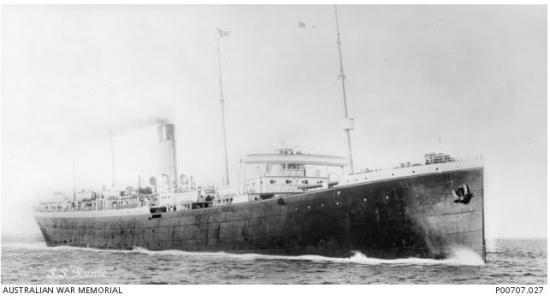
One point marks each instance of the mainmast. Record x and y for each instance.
(222, 104)
(348, 121)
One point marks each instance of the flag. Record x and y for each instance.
(223, 33)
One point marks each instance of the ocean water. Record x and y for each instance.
(32, 262)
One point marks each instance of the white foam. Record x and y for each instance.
(458, 257)
(465, 256)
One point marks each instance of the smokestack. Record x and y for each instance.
(167, 153)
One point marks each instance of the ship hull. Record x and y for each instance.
(415, 216)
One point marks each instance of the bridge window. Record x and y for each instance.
(272, 181)
(288, 181)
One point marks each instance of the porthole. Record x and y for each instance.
(337, 203)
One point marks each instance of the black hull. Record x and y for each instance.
(414, 216)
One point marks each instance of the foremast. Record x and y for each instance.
(221, 34)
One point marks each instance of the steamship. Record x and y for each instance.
(285, 203)
(289, 203)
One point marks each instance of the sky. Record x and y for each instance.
(465, 80)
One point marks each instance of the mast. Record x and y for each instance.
(112, 154)
(349, 121)
(74, 169)
(112, 139)
(73, 149)
(222, 104)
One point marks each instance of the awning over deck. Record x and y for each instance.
(308, 159)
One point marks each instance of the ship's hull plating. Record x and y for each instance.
(414, 216)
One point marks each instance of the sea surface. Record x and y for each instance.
(30, 261)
